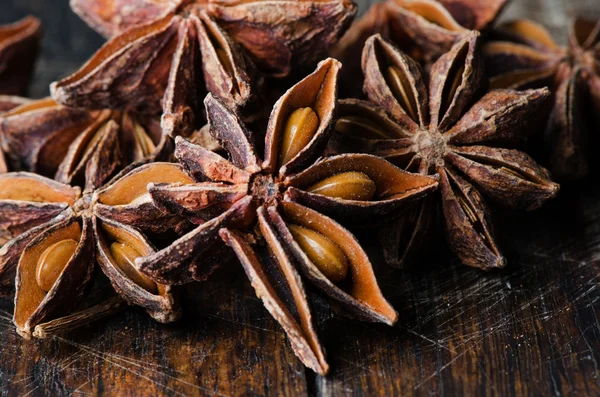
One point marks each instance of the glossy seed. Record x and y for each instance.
(360, 127)
(52, 262)
(124, 256)
(324, 253)
(400, 88)
(347, 185)
(300, 128)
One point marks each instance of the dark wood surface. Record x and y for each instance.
(531, 329)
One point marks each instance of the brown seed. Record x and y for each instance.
(400, 87)
(324, 253)
(124, 256)
(347, 185)
(300, 128)
(52, 262)
(361, 127)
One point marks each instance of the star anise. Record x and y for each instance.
(524, 55)
(8, 102)
(150, 63)
(55, 235)
(445, 126)
(275, 214)
(424, 29)
(54, 140)
(19, 46)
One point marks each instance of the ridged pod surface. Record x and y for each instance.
(277, 214)
(449, 126)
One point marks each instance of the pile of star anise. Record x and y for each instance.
(208, 131)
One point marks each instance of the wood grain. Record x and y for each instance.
(531, 329)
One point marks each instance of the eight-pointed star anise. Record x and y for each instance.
(275, 214)
(158, 47)
(54, 235)
(425, 29)
(19, 46)
(449, 129)
(54, 140)
(525, 56)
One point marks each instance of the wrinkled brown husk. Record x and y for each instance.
(278, 284)
(317, 91)
(362, 297)
(28, 200)
(523, 55)
(19, 47)
(32, 304)
(456, 133)
(162, 306)
(36, 135)
(126, 201)
(186, 259)
(395, 189)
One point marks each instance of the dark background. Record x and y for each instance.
(67, 41)
(531, 329)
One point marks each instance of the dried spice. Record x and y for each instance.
(19, 46)
(54, 235)
(57, 141)
(8, 102)
(446, 126)
(424, 29)
(3, 165)
(275, 214)
(157, 47)
(524, 55)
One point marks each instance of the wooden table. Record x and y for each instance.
(531, 329)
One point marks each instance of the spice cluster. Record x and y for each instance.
(208, 134)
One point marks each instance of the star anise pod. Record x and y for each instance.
(151, 62)
(524, 55)
(19, 46)
(445, 126)
(55, 235)
(53, 140)
(425, 29)
(8, 102)
(275, 214)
